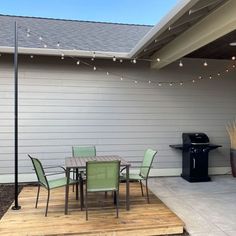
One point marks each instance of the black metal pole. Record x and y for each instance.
(16, 205)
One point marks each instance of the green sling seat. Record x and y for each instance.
(102, 176)
(44, 182)
(143, 172)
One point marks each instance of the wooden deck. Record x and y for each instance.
(142, 219)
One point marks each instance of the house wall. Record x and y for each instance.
(62, 104)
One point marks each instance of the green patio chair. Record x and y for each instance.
(44, 182)
(84, 151)
(144, 171)
(102, 176)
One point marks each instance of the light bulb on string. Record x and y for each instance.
(158, 59)
(233, 65)
(31, 56)
(114, 58)
(108, 73)
(233, 58)
(121, 60)
(78, 62)
(94, 68)
(121, 78)
(205, 63)
(218, 73)
(193, 81)
(134, 61)
(135, 81)
(210, 77)
(62, 56)
(181, 64)
(171, 84)
(58, 44)
(181, 83)
(28, 34)
(45, 46)
(159, 84)
(40, 38)
(226, 70)
(200, 77)
(149, 81)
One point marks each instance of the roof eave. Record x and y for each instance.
(69, 53)
(159, 28)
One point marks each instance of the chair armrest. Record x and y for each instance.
(56, 173)
(51, 167)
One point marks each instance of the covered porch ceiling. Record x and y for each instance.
(196, 29)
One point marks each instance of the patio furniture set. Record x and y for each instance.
(98, 173)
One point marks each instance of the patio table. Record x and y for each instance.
(79, 163)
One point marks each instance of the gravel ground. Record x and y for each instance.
(6, 197)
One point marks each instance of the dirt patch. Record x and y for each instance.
(7, 194)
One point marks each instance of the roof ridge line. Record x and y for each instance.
(73, 20)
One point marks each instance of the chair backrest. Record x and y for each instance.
(83, 151)
(102, 175)
(147, 162)
(39, 171)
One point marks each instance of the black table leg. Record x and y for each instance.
(67, 190)
(77, 184)
(81, 191)
(127, 188)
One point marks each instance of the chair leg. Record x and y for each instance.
(141, 185)
(86, 204)
(147, 191)
(117, 203)
(73, 189)
(46, 213)
(36, 204)
(114, 198)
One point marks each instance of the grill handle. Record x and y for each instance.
(194, 163)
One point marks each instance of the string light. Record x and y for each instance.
(121, 60)
(226, 70)
(31, 56)
(200, 77)
(205, 63)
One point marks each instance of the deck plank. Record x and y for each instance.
(142, 219)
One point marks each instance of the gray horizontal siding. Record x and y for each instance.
(61, 105)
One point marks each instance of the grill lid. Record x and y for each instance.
(195, 139)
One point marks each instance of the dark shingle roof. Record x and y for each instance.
(72, 34)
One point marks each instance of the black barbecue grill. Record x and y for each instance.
(195, 149)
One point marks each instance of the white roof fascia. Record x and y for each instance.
(59, 52)
(158, 29)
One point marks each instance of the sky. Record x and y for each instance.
(148, 12)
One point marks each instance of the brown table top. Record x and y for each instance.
(80, 162)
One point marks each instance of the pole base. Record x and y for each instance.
(15, 208)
